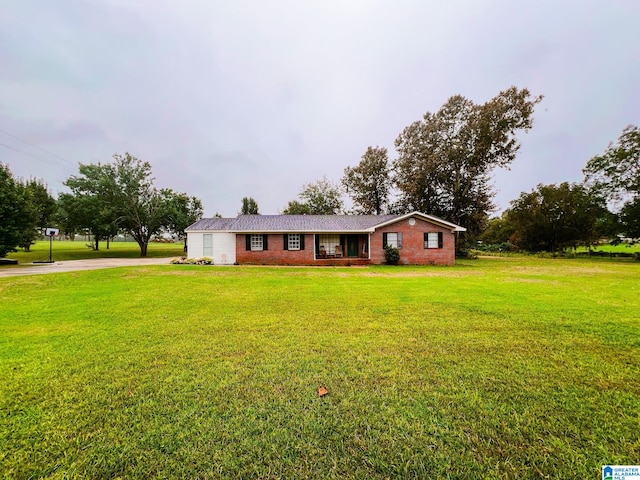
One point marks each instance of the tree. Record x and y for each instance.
(369, 183)
(39, 208)
(319, 198)
(498, 230)
(14, 215)
(554, 217)
(44, 203)
(617, 171)
(294, 207)
(445, 160)
(630, 218)
(121, 195)
(91, 205)
(249, 206)
(182, 211)
(616, 175)
(143, 209)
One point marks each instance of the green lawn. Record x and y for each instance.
(78, 250)
(495, 368)
(620, 248)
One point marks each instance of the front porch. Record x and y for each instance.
(342, 249)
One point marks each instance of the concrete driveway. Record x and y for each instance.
(76, 265)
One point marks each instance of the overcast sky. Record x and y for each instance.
(254, 98)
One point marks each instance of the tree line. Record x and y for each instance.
(105, 200)
(560, 216)
(443, 167)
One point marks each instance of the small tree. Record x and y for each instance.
(294, 207)
(319, 198)
(182, 211)
(249, 206)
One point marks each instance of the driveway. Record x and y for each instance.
(76, 265)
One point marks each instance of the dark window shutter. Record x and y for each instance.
(399, 240)
(384, 240)
(317, 242)
(301, 241)
(264, 242)
(286, 241)
(440, 240)
(426, 240)
(248, 242)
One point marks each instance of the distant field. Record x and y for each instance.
(78, 250)
(494, 368)
(622, 248)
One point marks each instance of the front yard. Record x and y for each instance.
(495, 368)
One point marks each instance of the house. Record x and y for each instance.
(323, 239)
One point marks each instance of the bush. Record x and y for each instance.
(392, 255)
(192, 261)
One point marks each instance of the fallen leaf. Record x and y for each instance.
(322, 391)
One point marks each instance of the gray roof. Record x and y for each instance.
(302, 223)
(309, 223)
(214, 223)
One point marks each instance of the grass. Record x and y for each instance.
(620, 248)
(78, 250)
(495, 368)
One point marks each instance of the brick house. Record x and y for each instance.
(323, 239)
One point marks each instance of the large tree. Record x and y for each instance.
(143, 209)
(616, 175)
(122, 195)
(15, 214)
(445, 160)
(319, 198)
(555, 217)
(369, 183)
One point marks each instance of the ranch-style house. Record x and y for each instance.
(421, 239)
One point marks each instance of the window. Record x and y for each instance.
(293, 241)
(329, 243)
(256, 242)
(433, 240)
(392, 239)
(207, 245)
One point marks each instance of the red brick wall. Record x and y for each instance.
(276, 254)
(413, 251)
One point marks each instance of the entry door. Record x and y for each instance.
(352, 246)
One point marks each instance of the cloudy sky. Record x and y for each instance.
(238, 98)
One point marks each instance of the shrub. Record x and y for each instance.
(392, 255)
(192, 261)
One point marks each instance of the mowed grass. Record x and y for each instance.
(495, 368)
(78, 250)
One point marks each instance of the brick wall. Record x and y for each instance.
(276, 254)
(413, 251)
